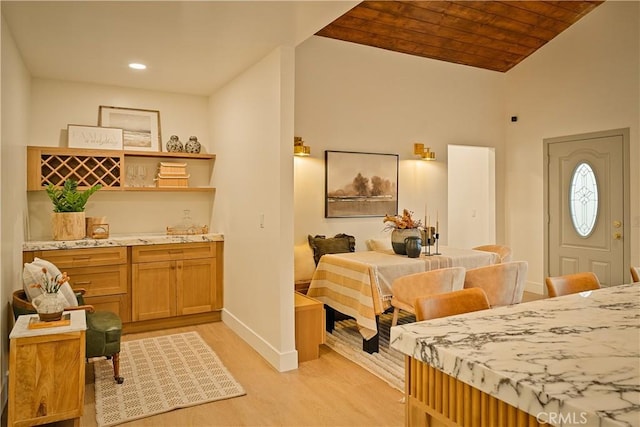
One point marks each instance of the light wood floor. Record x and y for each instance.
(329, 391)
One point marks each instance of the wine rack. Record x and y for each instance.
(87, 171)
(54, 165)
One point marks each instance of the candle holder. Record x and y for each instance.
(428, 238)
(428, 247)
(436, 238)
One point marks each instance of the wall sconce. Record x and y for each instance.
(424, 153)
(299, 149)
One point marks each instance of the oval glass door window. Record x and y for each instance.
(583, 199)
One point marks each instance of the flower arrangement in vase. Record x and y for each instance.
(50, 304)
(404, 227)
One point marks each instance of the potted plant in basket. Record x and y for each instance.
(402, 226)
(68, 218)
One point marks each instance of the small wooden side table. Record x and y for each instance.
(309, 314)
(46, 372)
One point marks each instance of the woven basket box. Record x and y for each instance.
(172, 181)
(172, 169)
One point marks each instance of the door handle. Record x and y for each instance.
(617, 236)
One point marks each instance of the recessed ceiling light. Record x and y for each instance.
(137, 66)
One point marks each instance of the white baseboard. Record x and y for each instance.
(536, 288)
(281, 361)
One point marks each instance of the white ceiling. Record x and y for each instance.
(190, 47)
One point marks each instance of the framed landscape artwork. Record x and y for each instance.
(141, 128)
(360, 184)
(102, 138)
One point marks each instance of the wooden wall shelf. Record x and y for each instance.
(54, 165)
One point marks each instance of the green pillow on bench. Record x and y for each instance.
(340, 243)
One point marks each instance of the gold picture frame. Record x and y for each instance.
(141, 128)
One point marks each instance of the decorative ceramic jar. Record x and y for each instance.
(49, 306)
(192, 146)
(398, 236)
(413, 246)
(174, 145)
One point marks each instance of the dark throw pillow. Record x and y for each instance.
(339, 244)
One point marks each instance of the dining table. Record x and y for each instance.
(572, 360)
(358, 284)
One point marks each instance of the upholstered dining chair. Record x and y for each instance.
(635, 274)
(104, 329)
(571, 283)
(504, 252)
(406, 289)
(503, 283)
(451, 303)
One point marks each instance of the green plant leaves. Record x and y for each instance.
(68, 198)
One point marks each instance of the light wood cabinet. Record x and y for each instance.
(151, 286)
(174, 280)
(46, 373)
(53, 165)
(102, 272)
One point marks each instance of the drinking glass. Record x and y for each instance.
(131, 176)
(142, 175)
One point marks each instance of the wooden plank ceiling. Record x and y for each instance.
(495, 35)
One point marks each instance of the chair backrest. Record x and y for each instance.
(406, 289)
(504, 252)
(21, 305)
(503, 283)
(635, 274)
(451, 303)
(571, 283)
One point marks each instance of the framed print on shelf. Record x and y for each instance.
(360, 184)
(141, 128)
(102, 138)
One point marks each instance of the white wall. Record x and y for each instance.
(55, 104)
(357, 98)
(15, 129)
(251, 126)
(472, 198)
(585, 80)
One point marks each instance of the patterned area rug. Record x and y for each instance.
(161, 374)
(388, 364)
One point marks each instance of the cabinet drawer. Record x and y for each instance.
(67, 258)
(172, 252)
(101, 280)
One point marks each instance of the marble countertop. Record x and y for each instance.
(575, 357)
(21, 328)
(128, 240)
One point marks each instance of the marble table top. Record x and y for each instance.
(573, 359)
(128, 240)
(21, 328)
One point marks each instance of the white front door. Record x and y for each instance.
(587, 206)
